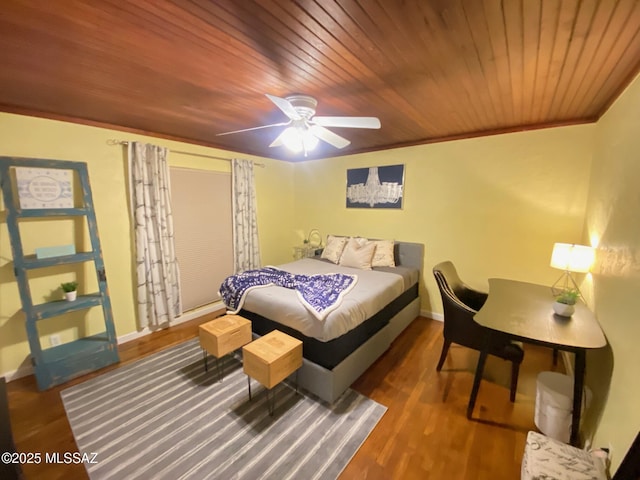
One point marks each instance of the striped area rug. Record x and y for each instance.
(164, 417)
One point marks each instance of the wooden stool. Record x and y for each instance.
(223, 335)
(270, 359)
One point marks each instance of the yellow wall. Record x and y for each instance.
(613, 225)
(40, 138)
(493, 205)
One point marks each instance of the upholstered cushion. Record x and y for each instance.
(334, 248)
(551, 459)
(383, 254)
(358, 253)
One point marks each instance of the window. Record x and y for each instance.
(201, 202)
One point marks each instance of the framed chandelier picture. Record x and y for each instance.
(375, 187)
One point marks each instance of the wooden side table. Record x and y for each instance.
(270, 359)
(222, 336)
(304, 251)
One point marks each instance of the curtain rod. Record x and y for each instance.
(124, 142)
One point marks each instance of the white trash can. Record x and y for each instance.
(554, 404)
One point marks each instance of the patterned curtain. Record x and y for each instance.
(156, 263)
(246, 249)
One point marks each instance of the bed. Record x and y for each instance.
(341, 344)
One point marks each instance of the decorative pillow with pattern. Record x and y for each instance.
(383, 255)
(547, 458)
(358, 253)
(334, 248)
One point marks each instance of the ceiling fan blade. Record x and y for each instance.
(284, 105)
(279, 139)
(329, 137)
(347, 122)
(254, 128)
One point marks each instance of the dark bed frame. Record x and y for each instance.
(329, 368)
(329, 354)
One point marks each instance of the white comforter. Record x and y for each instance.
(373, 290)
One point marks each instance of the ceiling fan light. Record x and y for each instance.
(292, 139)
(309, 140)
(297, 139)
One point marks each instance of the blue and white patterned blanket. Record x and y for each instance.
(320, 294)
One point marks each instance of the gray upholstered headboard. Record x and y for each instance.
(407, 254)
(410, 254)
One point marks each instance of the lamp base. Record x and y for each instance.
(564, 283)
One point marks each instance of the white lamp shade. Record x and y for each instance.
(571, 257)
(296, 138)
(292, 139)
(309, 140)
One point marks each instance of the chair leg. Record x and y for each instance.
(515, 369)
(443, 355)
(555, 357)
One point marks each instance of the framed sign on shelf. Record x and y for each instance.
(375, 187)
(44, 187)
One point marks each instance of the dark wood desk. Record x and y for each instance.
(525, 312)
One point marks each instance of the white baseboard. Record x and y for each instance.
(19, 373)
(26, 370)
(434, 315)
(185, 317)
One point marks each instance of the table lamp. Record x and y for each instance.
(570, 258)
(315, 238)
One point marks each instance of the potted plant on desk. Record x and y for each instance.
(70, 290)
(565, 302)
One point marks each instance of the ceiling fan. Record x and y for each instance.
(304, 130)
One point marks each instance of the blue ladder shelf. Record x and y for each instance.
(56, 365)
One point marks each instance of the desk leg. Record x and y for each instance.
(578, 388)
(476, 381)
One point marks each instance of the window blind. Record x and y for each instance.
(201, 203)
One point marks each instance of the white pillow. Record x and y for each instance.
(383, 255)
(333, 250)
(358, 253)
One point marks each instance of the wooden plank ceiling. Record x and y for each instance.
(429, 69)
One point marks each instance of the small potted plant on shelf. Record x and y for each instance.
(70, 290)
(565, 302)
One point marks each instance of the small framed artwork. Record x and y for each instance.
(375, 187)
(44, 187)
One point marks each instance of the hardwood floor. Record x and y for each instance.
(423, 435)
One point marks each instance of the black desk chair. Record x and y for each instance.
(461, 303)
